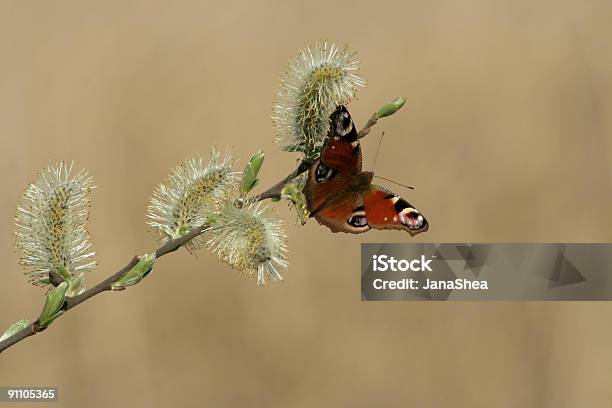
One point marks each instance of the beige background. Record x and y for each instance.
(506, 135)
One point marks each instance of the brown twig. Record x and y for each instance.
(366, 129)
(71, 302)
(55, 278)
(275, 190)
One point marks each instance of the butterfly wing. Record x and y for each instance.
(342, 151)
(343, 213)
(323, 182)
(341, 196)
(330, 175)
(386, 210)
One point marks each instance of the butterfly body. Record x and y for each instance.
(342, 197)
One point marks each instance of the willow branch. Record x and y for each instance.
(275, 190)
(71, 302)
(169, 247)
(366, 129)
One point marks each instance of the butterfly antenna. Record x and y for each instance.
(374, 164)
(377, 149)
(394, 182)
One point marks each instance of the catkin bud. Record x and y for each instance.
(51, 225)
(192, 192)
(251, 240)
(316, 81)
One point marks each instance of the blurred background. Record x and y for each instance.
(506, 135)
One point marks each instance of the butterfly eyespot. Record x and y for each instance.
(358, 221)
(411, 218)
(344, 124)
(323, 172)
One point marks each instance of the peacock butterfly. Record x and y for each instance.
(342, 197)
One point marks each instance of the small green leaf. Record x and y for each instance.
(137, 273)
(76, 286)
(63, 272)
(14, 328)
(390, 108)
(53, 304)
(294, 194)
(294, 148)
(249, 175)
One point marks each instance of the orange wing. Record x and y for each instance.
(343, 213)
(386, 210)
(322, 184)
